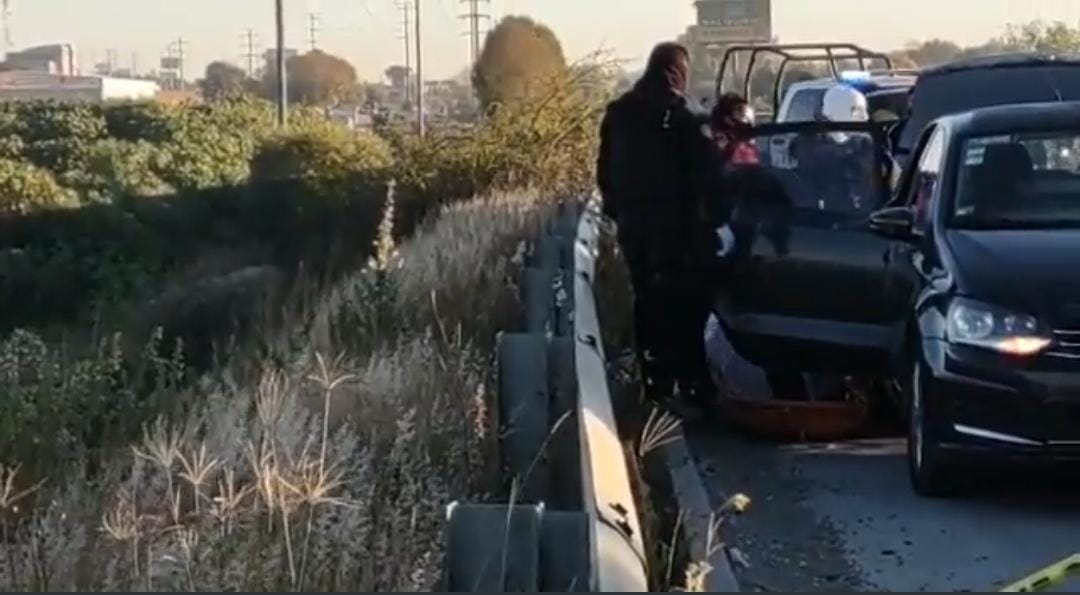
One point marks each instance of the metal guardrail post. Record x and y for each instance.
(524, 405)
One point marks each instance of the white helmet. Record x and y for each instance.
(845, 104)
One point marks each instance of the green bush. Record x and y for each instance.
(321, 152)
(55, 410)
(320, 186)
(212, 146)
(25, 188)
(55, 136)
(120, 168)
(150, 121)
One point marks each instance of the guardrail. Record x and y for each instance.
(572, 523)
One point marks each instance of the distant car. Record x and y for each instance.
(985, 82)
(963, 287)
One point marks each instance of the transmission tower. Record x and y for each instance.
(173, 61)
(476, 15)
(250, 42)
(181, 54)
(406, 35)
(313, 30)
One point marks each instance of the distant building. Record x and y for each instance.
(59, 58)
(28, 86)
(722, 23)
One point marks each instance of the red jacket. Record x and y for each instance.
(737, 152)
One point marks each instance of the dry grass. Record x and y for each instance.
(326, 468)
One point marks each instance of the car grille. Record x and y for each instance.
(1066, 344)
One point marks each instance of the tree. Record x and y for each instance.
(317, 78)
(224, 80)
(1037, 36)
(902, 59)
(933, 52)
(520, 60)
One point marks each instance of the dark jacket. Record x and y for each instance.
(658, 170)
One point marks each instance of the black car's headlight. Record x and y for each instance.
(982, 325)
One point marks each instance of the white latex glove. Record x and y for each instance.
(726, 240)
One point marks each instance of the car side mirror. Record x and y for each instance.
(894, 223)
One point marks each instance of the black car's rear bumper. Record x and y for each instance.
(990, 404)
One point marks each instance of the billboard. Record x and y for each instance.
(725, 21)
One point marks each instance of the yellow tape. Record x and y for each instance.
(1048, 577)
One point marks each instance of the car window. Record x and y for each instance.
(827, 171)
(805, 105)
(925, 184)
(888, 106)
(1025, 180)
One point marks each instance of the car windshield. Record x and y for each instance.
(1025, 180)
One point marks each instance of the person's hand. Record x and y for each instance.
(725, 241)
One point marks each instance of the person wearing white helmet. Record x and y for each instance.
(838, 164)
(843, 103)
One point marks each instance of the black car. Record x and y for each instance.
(985, 81)
(964, 286)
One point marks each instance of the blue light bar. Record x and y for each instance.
(855, 76)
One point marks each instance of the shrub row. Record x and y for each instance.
(107, 202)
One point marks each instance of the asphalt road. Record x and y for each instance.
(843, 517)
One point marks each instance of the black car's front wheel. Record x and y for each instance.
(930, 472)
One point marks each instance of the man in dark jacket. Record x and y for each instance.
(659, 176)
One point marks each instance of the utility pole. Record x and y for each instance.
(282, 85)
(474, 16)
(7, 17)
(313, 30)
(249, 52)
(419, 73)
(405, 35)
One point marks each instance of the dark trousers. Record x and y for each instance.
(671, 308)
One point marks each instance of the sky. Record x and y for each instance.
(366, 31)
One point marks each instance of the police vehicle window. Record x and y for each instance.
(805, 105)
(833, 172)
(925, 184)
(1026, 180)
